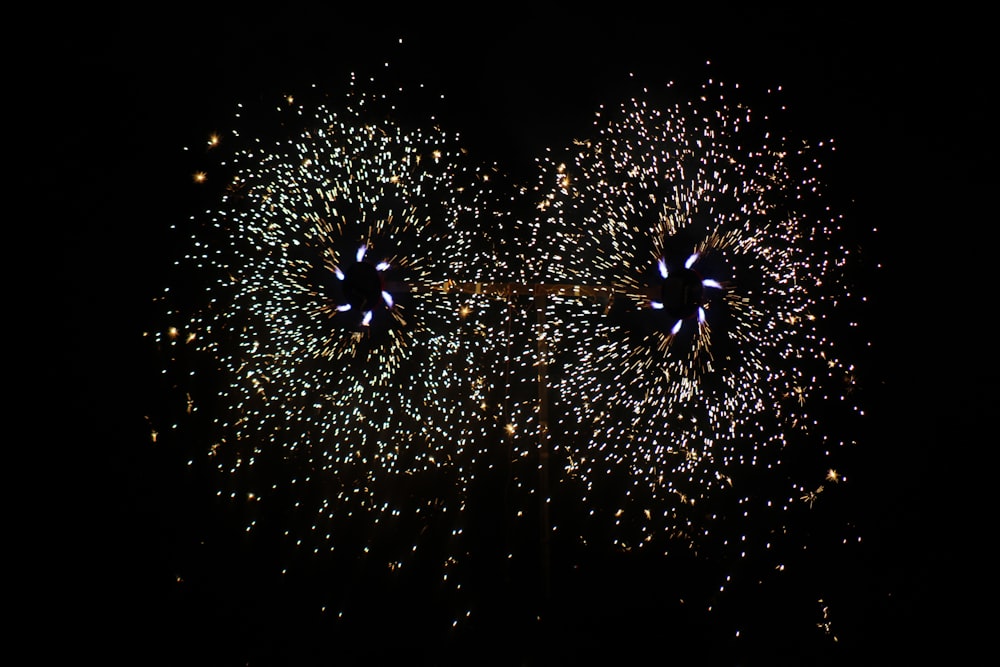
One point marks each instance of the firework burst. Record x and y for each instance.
(718, 342)
(342, 373)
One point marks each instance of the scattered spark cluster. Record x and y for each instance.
(660, 332)
(350, 376)
(720, 348)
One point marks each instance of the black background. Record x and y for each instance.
(120, 90)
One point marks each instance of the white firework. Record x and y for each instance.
(349, 376)
(715, 341)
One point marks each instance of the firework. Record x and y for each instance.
(717, 343)
(342, 374)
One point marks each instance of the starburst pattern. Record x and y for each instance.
(717, 345)
(348, 374)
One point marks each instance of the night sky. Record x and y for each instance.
(121, 531)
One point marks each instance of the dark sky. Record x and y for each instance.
(903, 93)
